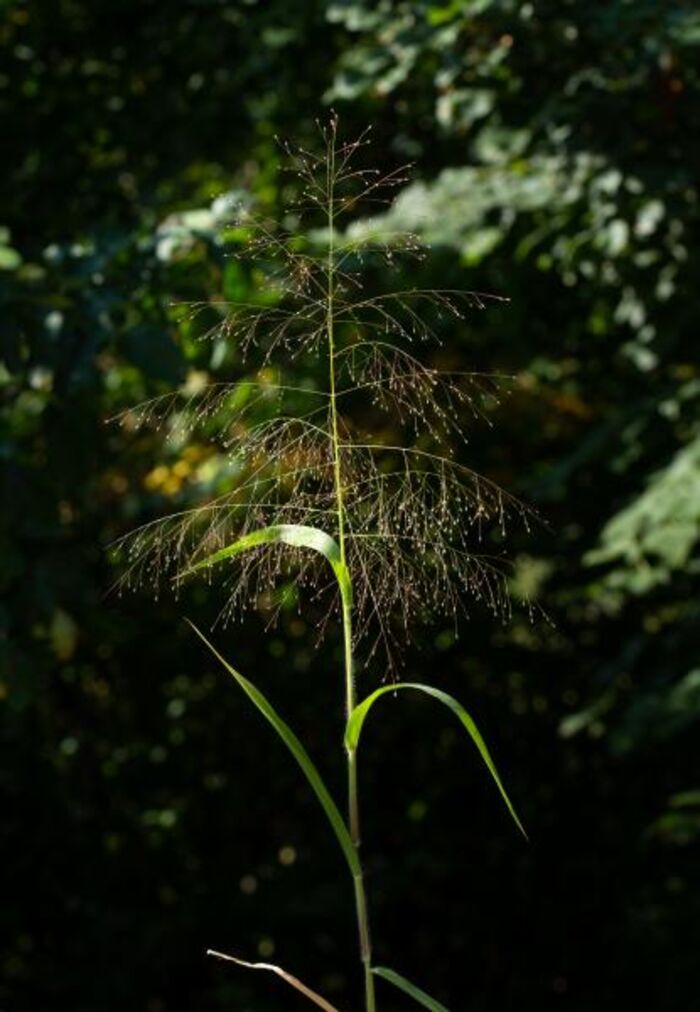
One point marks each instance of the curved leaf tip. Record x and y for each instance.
(353, 729)
(295, 535)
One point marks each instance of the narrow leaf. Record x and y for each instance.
(294, 981)
(300, 754)
(296, 535)
(415, 992)
(356, 719)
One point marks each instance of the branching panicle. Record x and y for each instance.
(411, 521)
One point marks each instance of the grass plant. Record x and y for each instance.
(387, 532)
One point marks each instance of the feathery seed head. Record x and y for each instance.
(412, 521)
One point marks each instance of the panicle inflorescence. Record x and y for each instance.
(413, 521)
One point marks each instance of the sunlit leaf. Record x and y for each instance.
(299, 753)
(296, 535)
(358, 715)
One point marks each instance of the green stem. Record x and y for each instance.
(354, 820)
(353, 799)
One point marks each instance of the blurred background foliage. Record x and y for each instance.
(146, 813)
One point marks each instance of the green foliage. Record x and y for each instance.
(296, 535)
(583, 121)
(657, 534)
(358, 716)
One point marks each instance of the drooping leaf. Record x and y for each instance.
(300, 754)
(296, 535)
(357, 718)
(290, 978)
(404, 985)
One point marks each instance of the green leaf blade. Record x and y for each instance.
(298, 751)
(408, 988)
(357, 718)
(295, 535)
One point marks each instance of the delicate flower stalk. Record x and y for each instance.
(346, 602)
(402, 524)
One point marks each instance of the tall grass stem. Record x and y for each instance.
(353, 798)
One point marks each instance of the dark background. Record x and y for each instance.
(145, 806)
